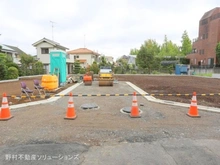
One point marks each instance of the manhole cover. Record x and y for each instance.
(127, 110)
(89, 106)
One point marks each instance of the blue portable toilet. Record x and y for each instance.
(58, 65)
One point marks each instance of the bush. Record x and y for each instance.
(134, 72)
(12, 73)
(3, 71)
(82, 71)
(155, 72)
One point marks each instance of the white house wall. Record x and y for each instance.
(90, 58)
(45, 58)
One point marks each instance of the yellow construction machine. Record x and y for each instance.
(106, 76)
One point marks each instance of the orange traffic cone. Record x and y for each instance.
(193, 110)
(134, 109)
(5, 111)
(70, 114)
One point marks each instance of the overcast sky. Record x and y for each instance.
(110, 27)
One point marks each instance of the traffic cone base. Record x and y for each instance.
(70, 118)
(193, 116)
(5, 111)
(5, 119)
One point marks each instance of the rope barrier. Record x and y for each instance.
(108, 95)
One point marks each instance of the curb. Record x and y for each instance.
(153, 99)
(45, 101)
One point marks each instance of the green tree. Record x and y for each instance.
(134, 51)
(38, 68)
(27, 62)
(27, 59)
(217, 50)
(82, 71)
(103, 62)
(12, 73)
(3, 57)
(168, 48)
(186, 47)
(94, 67)
(146, 57)
(76, 67)
(3, 71)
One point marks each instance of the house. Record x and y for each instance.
(12, 51)
(44, 46)
(203, 52)
(130, 59)
(85, 56)
(109, 59)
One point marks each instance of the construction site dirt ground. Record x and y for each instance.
(106, 125)
(151, 84)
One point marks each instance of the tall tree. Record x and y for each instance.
(134, 51)
(94, 67)
(76, 67)
(186, 47)
(217, 50)
(168, 48)
(27, 59)
(147, 54)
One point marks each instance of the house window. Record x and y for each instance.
(75, 57)
(206, 36)
(44, 50)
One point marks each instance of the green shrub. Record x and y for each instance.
(82, 71)
(155, 72)
(12, 73)
(3, 71)
(134, 72)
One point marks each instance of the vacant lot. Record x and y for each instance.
(151, 84)
(39, 129)
(178, 85)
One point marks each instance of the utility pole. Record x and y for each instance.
(52, 27)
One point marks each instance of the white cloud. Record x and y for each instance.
(111, 27)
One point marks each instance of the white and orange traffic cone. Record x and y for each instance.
(70, 114)
(5, 111)
(193, 110)
(134, 109)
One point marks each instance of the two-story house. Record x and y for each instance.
(44, 46)
(12, 51)
(85, 56)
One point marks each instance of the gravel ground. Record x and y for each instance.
(46, 124)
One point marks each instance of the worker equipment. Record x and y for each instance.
(106, 76)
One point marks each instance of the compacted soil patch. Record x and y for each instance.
(178, 85)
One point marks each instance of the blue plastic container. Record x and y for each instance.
(181, 69)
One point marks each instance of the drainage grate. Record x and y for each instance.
(127, 110)
(89, 106)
